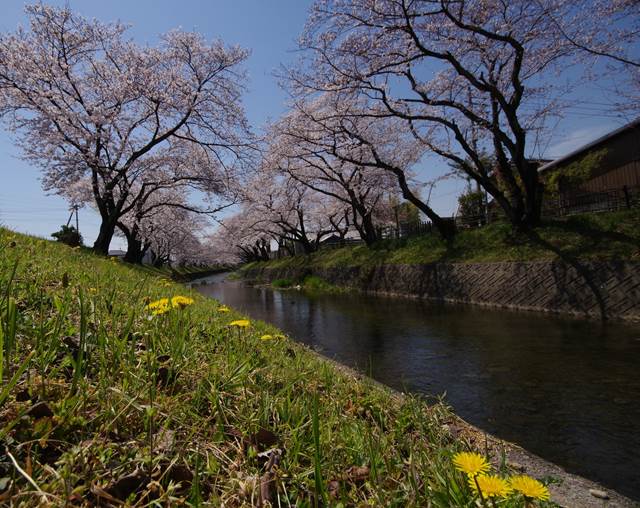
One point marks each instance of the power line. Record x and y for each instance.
(33, 211)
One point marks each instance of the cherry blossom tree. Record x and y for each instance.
(608, 29)
(468, 77)
(606, 34)
(308, 150)
(166, 233)
(142, 223)
(173, 237)
(278, 210)
(88, 104)
(240, 239)
(167, 182)
(288, 211)
(336, 137)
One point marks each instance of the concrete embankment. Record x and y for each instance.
(593, 289)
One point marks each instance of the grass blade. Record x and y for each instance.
(14, 380)
(320, 499)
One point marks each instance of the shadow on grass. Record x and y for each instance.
(595, 235)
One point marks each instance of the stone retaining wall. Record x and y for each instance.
(595, 289)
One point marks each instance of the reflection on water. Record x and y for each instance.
(565, 389)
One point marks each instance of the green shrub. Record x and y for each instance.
(282, 283)
(315, 283)
(69, 235)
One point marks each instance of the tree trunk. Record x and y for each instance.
(533, 197)
(446, 228)
(134, 250)
(107, 229)
(368, 232)
(307, 246)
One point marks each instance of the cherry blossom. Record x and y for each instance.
(88, 104)
(467, 77)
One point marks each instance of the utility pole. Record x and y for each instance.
(74, 209)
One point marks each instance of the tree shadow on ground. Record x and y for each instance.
(582, 270)
(593, 236)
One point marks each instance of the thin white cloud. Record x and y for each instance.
(578, 138)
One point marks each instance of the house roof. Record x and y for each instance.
(332, 238)
(631, 125)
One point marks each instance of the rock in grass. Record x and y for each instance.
(4, 483)
(40, 410)
(517, 466)
(73, 345)
(166, 376)
(357, 475)
(133, 483)
(333, 488)
(24, 396)
(600, 494)
(263, 439)
(164, 441)
(180, 473)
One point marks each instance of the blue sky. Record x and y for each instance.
(269, 28)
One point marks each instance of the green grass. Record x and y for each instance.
(181, 274)
(614, 235)
(309, 283)
(315, 283)
(103, 401)
(282, 283)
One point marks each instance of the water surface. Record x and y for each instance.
(565, 389)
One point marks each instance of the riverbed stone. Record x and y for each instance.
(600, 494)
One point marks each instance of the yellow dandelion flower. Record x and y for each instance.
(267, 337)
(93, 290)
(279, 336)
(163, 302)
(529, 487)
(181, 301)
(240, 323)
(471, 463)
(223, 308)
(490, 485)
(159, 306)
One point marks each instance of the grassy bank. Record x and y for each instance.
(310, 283)
(110, 393)
(183, 274)
(614, 235)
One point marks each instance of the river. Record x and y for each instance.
(565, 389)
